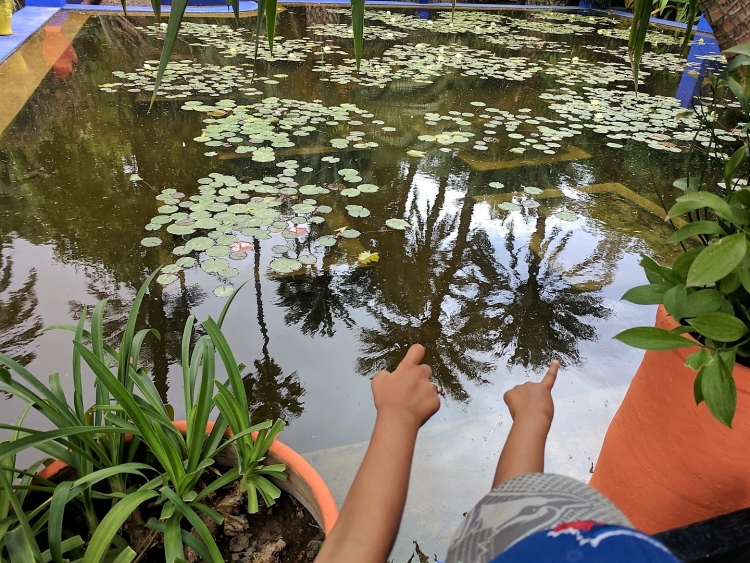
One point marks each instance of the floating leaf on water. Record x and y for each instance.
(213, 265)
(181, 250)
(228, 272)
(357, 211)
(153, 227)
(218, 250)
(478, 104)
(348, 172)
(565, 216)
(171, 269)
(531, 190)
(285, 265)
(135, 178)
(166, 279)
(368, 188)
(226, 240)
(151, 241)
(199, 243)
(497, 185)
(238, 255)
(398, 224)
(307, 259)
(530, 204)
(350, 192)
(280, 248)
(366, 257)
(307, 169)
(615, 145)
(317, 220)
(324, 209)
(224, 291)
(508, 206)
(302, 208)
(416, 153)
(180, 230)
(186, 262)
(350, 233)
(328, 240)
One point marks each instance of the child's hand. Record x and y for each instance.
(408, 390)
(533, 399)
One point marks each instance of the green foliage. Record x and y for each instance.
(707, 289)
(685, 11)
(92, 442)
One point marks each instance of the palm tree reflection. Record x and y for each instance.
(271, 394)
(19, 322)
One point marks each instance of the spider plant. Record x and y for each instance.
(110, 468)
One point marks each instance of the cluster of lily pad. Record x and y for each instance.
(261, 128)
(344, 31)
(187, 78)
(658, 121)
(671, 62)
(218, 226)
(238, 42)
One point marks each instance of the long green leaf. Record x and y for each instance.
(230, 364)
(24, 526)
(697, 228)
(718, 389)
(154, 437)
(126, 357)
(199, 413)
(187, 388)
(225, 308)
(19, 547)
(638, 31)
(36, 438)
(187, 538)
(651, 338)
(77, 379)
(197, 523)
(65, 546)
(358, 28)
(176, 14)
(258, 27)
(173, 548)
(56, 519)
(692, 12)
(719, 326)
(112, 522)
(270, 22)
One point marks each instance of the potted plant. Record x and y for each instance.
(128, 479)
(665, 461)
(6, 14)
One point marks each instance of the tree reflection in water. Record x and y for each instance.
(270, 392)
(476, 302)
(19, 322)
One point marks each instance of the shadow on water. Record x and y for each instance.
(19, 322)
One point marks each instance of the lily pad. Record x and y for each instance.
(224, 291)
(228, 272)
(496, 185)
(350, 233)
(238, 255)
(307, 259)
(171, 269)
(285, 265)
(213, 265)
(151, 241)
(565, 216)
(328, 240)
(416, 153)
(280, 248)
(508, 206)
(186, 262)
(368, 188)
(531, 190)
(180, 230)
(166, 279)
(398, 224)
(357, 211)
(350, 192)
(135, 178)
(219, 250)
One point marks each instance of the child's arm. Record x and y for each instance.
(532, 409)
(369, 521)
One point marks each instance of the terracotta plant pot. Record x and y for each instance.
(6, 14)
(666, 462)
(303, 482)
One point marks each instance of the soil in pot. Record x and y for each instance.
(283, 533)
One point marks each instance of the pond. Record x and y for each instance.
(484, 185)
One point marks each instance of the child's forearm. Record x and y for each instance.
(524, 449)
(371, 515)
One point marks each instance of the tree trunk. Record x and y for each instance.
(730, 20)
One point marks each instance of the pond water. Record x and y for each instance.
(499, 165)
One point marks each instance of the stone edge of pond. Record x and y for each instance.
(26, 22)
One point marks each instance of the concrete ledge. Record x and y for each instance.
(26, 21)
(245, 6)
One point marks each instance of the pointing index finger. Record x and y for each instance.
(414, 355)
(551, 376)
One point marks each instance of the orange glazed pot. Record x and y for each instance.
(666, 462)
(302, 482)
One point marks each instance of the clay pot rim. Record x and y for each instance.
(323, 497)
